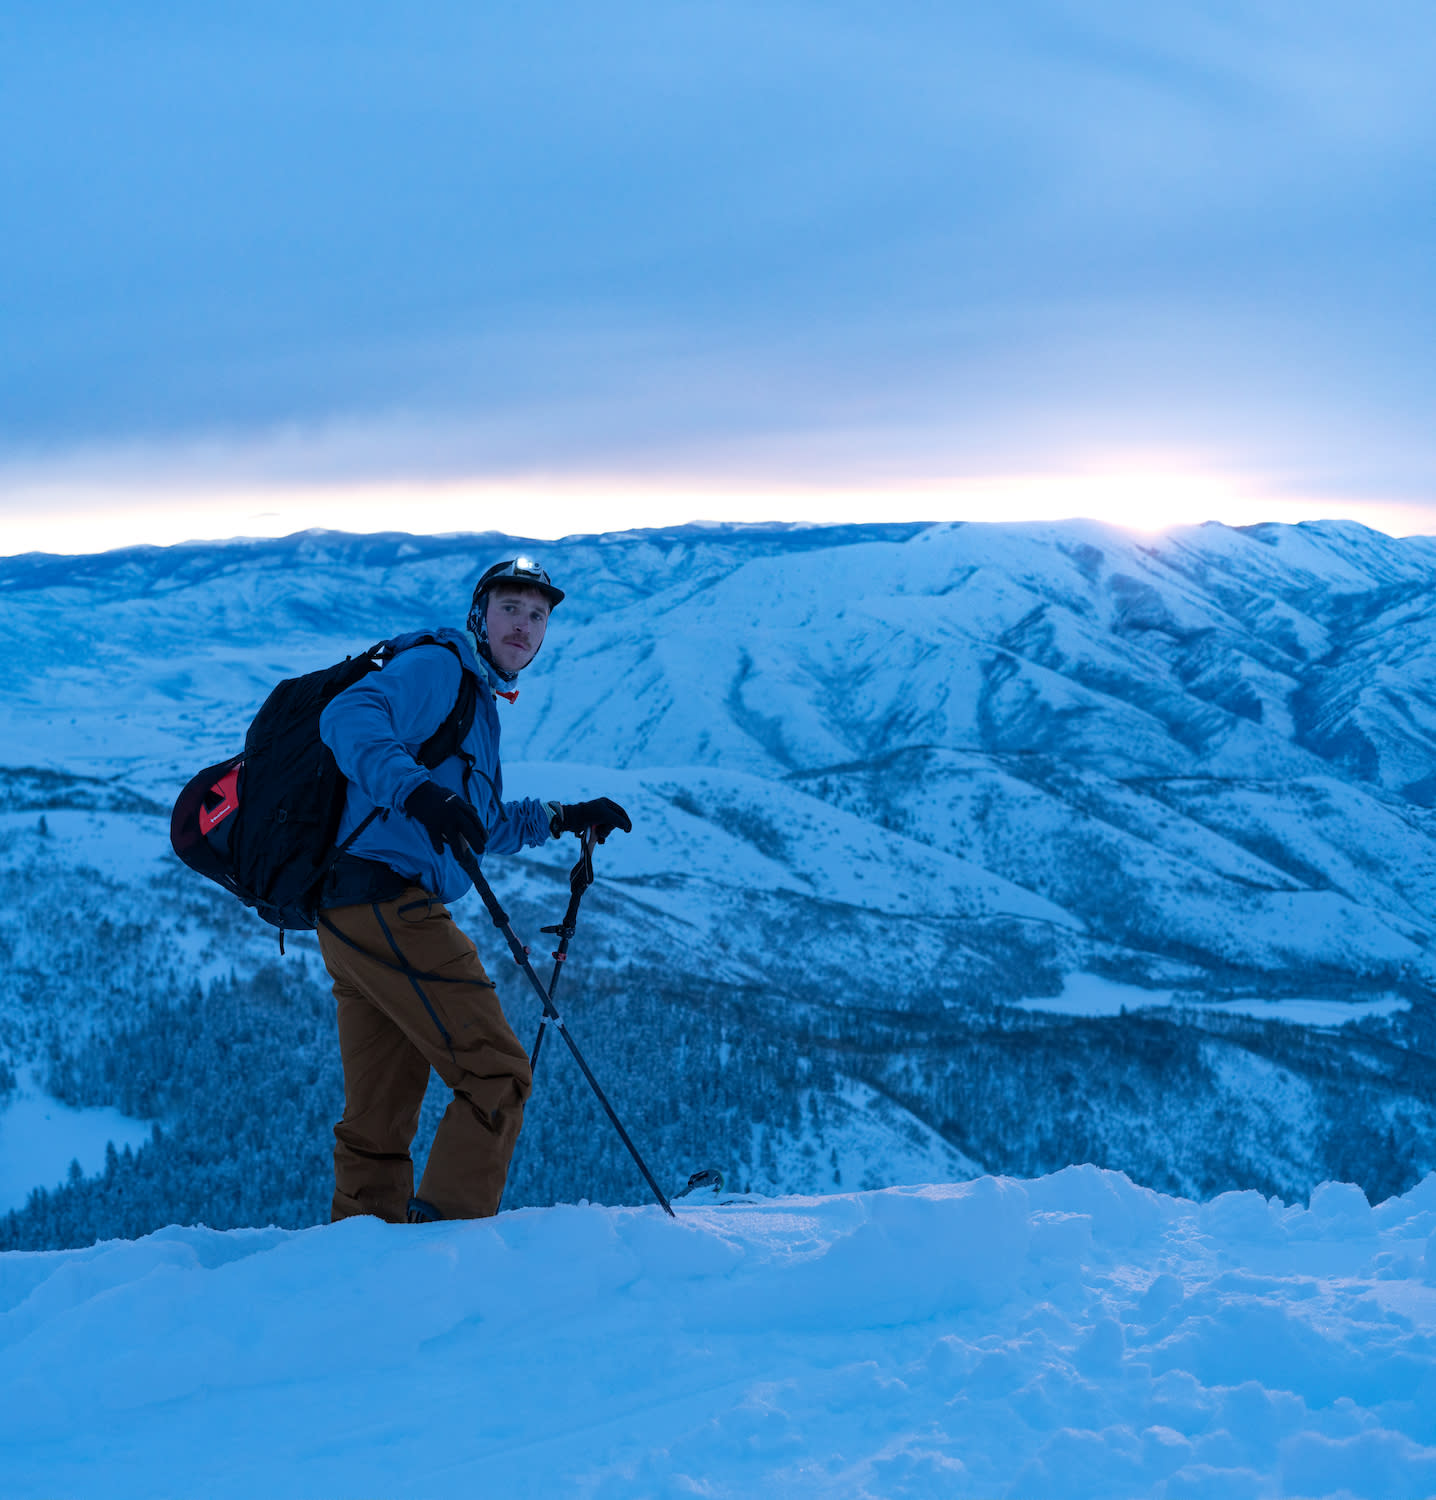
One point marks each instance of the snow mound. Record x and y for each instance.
(1069, 1336)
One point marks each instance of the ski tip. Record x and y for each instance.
(707, 1182)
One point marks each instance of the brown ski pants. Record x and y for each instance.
(413, 995)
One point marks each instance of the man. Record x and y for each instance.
(411, 991)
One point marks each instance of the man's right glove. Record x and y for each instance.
(446, 818)
(602, 815)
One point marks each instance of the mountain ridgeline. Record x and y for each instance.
(956, 847)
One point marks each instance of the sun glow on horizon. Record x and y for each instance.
(44, 515)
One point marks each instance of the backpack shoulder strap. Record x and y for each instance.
(451, 734)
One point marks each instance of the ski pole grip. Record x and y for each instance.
(581, 876)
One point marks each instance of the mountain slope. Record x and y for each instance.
(898, 790)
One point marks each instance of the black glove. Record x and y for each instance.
(602, 815)
(446, 818)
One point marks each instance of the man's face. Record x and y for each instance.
(516, 620)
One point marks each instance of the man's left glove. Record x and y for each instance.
(602, 815)
(446, 818)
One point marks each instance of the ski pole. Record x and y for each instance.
(500, 917)
(579, 880)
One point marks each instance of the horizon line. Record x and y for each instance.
(772, 524)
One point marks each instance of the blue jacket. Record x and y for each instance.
(375, 729)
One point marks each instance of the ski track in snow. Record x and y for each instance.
(1072, 1336)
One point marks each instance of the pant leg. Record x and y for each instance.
(385, 1077)
(469, 1161)
(448, 1010)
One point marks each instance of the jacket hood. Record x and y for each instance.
(464, 643)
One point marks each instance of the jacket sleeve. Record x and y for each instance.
(375, 727)
(520, 825)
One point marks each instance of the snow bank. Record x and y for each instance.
(1070, 1336)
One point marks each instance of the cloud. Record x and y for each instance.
(794, 243)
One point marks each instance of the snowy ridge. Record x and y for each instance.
(1210, 750)
(1071, 1336)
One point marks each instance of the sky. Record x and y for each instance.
(549, 268)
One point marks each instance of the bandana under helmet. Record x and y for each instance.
(521, 571)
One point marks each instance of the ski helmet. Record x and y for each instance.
(522, 572)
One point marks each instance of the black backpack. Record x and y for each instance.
(263, 823)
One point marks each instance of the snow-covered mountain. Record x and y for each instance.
(971, 846)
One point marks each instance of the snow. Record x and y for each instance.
(869, 1141)
(1314, 1012)
(759, 675)
(40, 1137)
(765, 836)
(1096, 995)
(121, 846)
(839, 758)
(1070, 1336)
